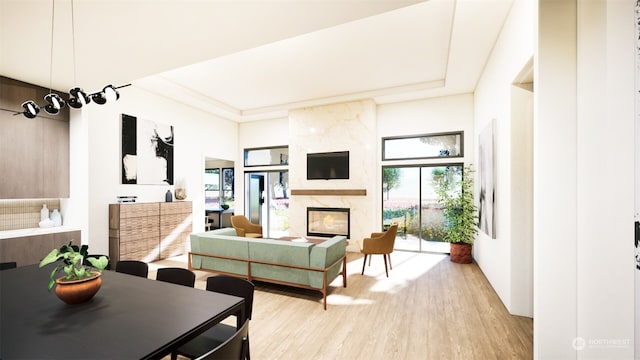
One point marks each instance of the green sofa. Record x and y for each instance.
(300, 264)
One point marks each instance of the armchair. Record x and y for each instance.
(379, 243)
(245, 228)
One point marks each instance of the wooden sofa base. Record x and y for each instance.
(251, 278)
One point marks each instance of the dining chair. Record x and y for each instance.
(236, 347)
(177, 275)
(379, 243)
(245, 228)
(87, 263)
(8, 265)
(220, 333)
(133, 267)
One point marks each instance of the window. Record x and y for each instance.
(428, 146)
(212, 188)
(269, 156)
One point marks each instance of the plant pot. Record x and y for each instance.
(78, 291)
(461, 253)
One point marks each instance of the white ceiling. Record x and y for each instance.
(254, 59)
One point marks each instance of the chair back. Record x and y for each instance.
(236, 287)
(177, 275)
(381, 243)
(8, 265)
(236, 347)
(133, 267)
(244, 226)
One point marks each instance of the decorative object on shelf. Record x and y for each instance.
(78, 96)
(127, 199)
(56, 218)
(181, 190)
(80, 283)
(455, 194)
(168, 197)
(44, 213)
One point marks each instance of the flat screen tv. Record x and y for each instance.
(329, 165)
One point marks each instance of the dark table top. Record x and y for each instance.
(129, 318)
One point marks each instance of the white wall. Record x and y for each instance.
(197, 135)
(493, 100)
(583, 201)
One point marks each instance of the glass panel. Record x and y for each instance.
(401, 194)
(227, 186)
(432, 221)
(278, 204)
(266, 156)
(212, 188)
(423, 146)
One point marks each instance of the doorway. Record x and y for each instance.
(267, 201)
(409, 199)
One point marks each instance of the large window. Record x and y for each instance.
(409, 199)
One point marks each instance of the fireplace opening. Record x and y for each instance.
(328, 222)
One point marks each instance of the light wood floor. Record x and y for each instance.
(428, 308)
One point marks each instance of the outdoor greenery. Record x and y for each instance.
(455, 193)
(390, 179)
(72, 265)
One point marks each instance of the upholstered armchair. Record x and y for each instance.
(379, 243)
(245, 228)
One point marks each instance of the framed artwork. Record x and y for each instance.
(147, 152)
(486, 177)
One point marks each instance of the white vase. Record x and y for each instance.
(44, 213)
(56, 218)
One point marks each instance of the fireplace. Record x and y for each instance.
(328, 221)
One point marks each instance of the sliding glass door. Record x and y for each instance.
(409, 199)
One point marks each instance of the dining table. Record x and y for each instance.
(129, 318)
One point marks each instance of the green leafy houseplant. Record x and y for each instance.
(455, 194)
(72, 265)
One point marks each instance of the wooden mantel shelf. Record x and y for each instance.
(330, 192)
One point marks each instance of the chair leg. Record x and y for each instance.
(370, 260)
(385, 264)
(364, 263)
(389, 257)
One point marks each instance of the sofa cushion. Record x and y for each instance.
(221, 245)
(325, 254)
(280, 252)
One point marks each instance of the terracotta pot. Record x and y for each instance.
(461, 253)
(78, 291)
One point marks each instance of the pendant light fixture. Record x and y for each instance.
(78, 97)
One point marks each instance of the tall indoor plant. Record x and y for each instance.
(455, 194)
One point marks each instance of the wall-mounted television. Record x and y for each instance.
(328, 165)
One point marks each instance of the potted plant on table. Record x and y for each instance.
(455, 194)
(79, 282)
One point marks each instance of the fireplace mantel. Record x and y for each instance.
(329, 192)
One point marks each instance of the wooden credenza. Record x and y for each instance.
(149, 231)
